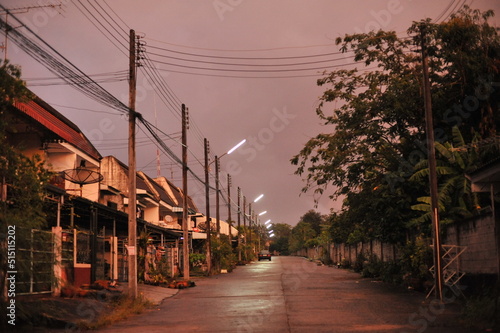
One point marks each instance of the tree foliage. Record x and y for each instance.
(22, 179)
(373, 114)
(455, 197)
(314, 219)
(301, 234)
(282, 232)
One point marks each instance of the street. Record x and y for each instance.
(291, 294)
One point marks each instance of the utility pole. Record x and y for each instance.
(19, 11)
(6, 37)
(431, 152)
(217, 212)
(132, 214)
(250, 223)
(239, 225)
(229, 222)
(185, 232)
(245, 223)
(207, 200)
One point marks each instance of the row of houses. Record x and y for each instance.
(88, 207)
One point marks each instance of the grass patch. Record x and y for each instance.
(122, 308)
(481, 311)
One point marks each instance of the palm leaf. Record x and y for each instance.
(421, 207)
(419, 175)
(444, 151)
(458, 139)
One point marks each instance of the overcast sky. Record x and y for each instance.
(213, 57)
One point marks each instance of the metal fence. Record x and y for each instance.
(35, 262)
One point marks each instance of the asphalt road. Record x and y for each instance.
(291, 294)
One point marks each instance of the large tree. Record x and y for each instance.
(314, 219)
(282, 232)
(300, 237)
(375, 113)
(22, 179)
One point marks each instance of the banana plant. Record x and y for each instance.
(455, 198)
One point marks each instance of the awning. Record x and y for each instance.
(198, 235)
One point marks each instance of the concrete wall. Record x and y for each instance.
(385, 252)
(478, 235)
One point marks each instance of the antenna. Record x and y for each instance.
(19, 10)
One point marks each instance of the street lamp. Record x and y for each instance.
(207, 198)
(258, 198)
(236, 147)
(251, 217)
(217, 167)
(255, 219)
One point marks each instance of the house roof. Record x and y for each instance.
(56, 123)
(486, 176)
(157, 189)
(171, 189)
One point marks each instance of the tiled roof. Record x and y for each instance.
(58, 124)
(154, 186)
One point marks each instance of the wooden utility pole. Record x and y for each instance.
(431, 152)
(217, 212)
(229, 220)
(18, 11)
(132, 214)
(250, 223)
(185, 212)
(239, 225)
(245, 224)
(208, 222)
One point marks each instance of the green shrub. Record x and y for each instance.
(416, 259)
(222, 253)
(391, 272)
(197, 259)
(358, 264)
(480, 311)
(373, 267)
(345, 263)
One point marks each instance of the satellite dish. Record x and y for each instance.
(168, 219)
(82, 176)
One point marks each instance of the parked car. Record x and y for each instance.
(264, 254)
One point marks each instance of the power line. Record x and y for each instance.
(246, 64)
(240, 50)
(121, 47)
(60, 66)
(252, 70)
(56, 80)
(128, 28)
(248, 58)
(83, 109)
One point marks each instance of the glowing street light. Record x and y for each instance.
(258, 198)
(267, 222)
(262, 213)
(268, 226)
(236, 147)
(229, 151)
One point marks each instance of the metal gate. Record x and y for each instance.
(35, 262)
(122, 260)
(83, 248)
